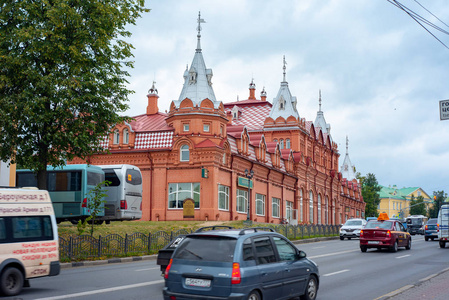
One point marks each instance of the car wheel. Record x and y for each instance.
(432, 239)
(395, 247)
(363, 248)
(349, 238)
(426, 238)
(254, 295)
(311, 289)
(409, 245)
(11, 282)
(442, 244)
(341, 238)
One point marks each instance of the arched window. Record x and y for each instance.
(326, 211)
(125, 136)
(319, 208)
(185, 153)
(287, 144)
(311, 207)
(116, 136)
(300, 205)
(281, 143)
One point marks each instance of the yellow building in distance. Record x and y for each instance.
(396, 202)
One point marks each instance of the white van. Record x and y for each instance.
(443, 221)
(29, 245)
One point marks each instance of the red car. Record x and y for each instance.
(385, 233)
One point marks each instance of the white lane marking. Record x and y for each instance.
(331, 254)
(140, 270)
(403, 256)
(319, 247)
(123, 287)
(335, 273)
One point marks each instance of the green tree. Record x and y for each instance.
(417, 206)
(95, 205)
(370, 193)
(439, 198)
(61, 79)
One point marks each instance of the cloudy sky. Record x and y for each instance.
(381, 74)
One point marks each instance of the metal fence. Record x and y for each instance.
(85, 247)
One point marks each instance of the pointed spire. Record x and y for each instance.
(198, 46)
(263, 95)
(320, 101)
(285, 63)
(252, 90)
(347, 145)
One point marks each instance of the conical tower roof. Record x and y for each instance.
(197, 79)
(347, 169)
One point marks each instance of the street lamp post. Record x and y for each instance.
(249, 175)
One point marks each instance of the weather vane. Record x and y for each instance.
(198, 48)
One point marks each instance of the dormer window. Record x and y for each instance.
(235, 113)
(192, 76)
(281, 103)
(116, 138)
(125, 136)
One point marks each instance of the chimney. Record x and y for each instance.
(252, 90)
(152, 101)
(263, 95)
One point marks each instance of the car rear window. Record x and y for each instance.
(206, 248)
(378, 224)
(353, 223)
(432, 221)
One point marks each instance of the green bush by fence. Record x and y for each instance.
(85, 247)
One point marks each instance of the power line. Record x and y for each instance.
(416, 16)
(431, 13)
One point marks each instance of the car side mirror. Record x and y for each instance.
(301, 254)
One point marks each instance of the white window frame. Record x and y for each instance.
(242, 201)
(319, 208)
(185, 127)
(125, 136)
(116, 137)
(260, 204)
(206, 127)
(176, 191)
(287, 144)
(223, 197)
(311, 207)
(275, 207)
(289, 210)
(184, 153)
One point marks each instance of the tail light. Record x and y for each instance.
(84, 203)
(388, 233)
(236, 277)
(123, 204)
(438, 227)
(167, 269)
(361, 233)
(425, 227)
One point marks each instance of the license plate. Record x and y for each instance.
(373, 242)
(198, 282)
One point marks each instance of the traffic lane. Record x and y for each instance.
(105, 278)
(375, 273)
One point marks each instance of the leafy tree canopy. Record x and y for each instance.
(370, 193)
(417, 206)
(439, 197)
(61, 79)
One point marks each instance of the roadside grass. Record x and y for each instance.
(67, 229)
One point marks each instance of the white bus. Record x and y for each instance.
(443, 222)
(124, 193)
(29, 245)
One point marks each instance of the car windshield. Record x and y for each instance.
(414, 221)
(378, 224)
(353, 223)
(199, 248)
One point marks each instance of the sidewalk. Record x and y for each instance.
(434, 287)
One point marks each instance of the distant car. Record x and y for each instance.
(351, 229)
(389, 234)
(235, 264)
(431, 229)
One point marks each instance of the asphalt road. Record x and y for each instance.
(346, 273)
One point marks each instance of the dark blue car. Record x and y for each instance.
(245, 264)
(431, 229)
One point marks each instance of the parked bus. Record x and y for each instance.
(415, 224)
(29, 246)
(124, 193)
(68, 187)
